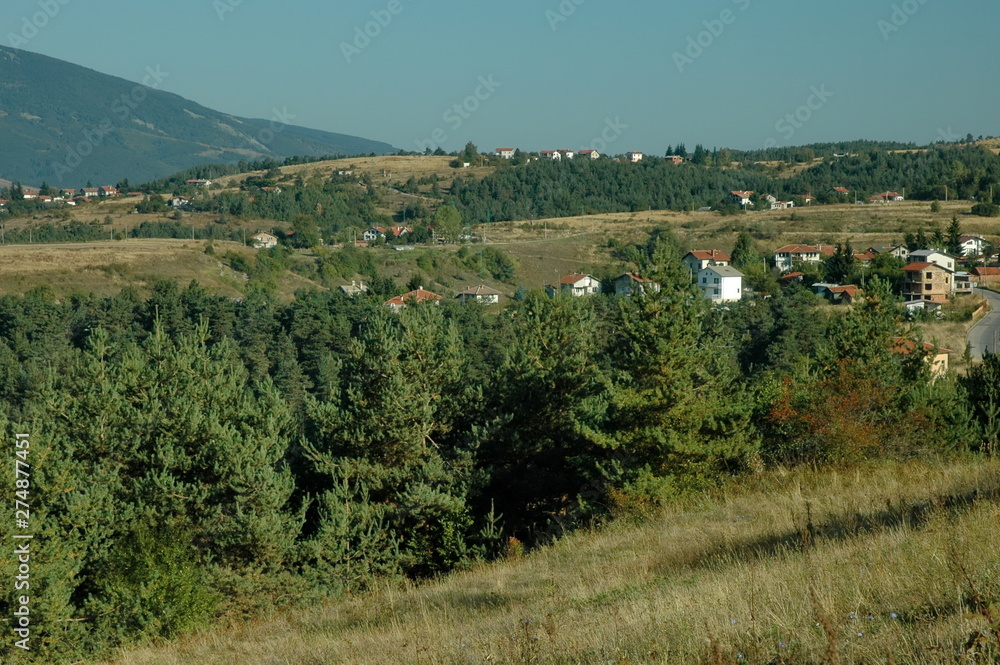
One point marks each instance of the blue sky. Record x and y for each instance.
(540, 74)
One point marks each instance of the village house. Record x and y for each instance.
(575, 285)
(373, 234)
(789, 255)
(986, 276)
(885, 197)
(589, 154)
(840, 191)
(741, 198)
(630, 283)
(700, 259)
(416, 296)
(782, 205)
(674, 159)
(179, 201)
(200, 183)
(568, 154)
(927, 281)
(901, 252)
(634, 156)
(29, 193)
(551, 154)
(505, 153)
(937, 357)
(933, 256)
(263, 240)
(721, 283)
(480, 294)
(972, 245)
(90, 192)
(354, 288)
(271, 190)
(107, 191)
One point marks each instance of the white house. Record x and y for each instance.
(354, 288)
(901, 252)
(942, 259)
(568, 154)
(264, 240)
(972, 245)
(885, 197)
(700, 259)
(721, 283)
(373, 234)
(200, 182)
(481, 294)
(575, 285)
(630, 283)
(505, 153)
(740, 197)
(589, 154)
(634, 156)
(787, 256)
(551, 154)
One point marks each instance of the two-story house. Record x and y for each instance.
(789, 255)
(575, 285)
(721, 283)
(630, 283)
(942, 259)
(699, 259)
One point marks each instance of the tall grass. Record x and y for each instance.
(885, 563)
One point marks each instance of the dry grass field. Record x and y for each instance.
(889, 563)
(105, 268)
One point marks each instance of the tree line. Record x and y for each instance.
(197, 456)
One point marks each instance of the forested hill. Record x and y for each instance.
(573, 187)
(64, 124)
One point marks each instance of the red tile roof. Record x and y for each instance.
(572, 279)
(907, 346)
(983, 272)
(917, 267)
(709, 255)
(792, 275)
(419, 295)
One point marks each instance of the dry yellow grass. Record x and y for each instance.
(751, 569)
(105, 268)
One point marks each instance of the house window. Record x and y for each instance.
(715, 291)
(716, 281)
(930, 276)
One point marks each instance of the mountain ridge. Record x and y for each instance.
(65, 124)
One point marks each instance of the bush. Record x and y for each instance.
(986, 210)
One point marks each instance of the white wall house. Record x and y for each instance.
(972, 245)
(551, 154)
(263, 240)
(741, 198)
(506, 153)
(634, 156)
(942, 259)
(589, 154)
(575, 285)
(481, 294)
(721, 283)
(789, 255)
(700, 259)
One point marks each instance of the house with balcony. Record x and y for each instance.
(788, 256)
(927, 281)
(576, 285)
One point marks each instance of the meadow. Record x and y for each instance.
(893, 562)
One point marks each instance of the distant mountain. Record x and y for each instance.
(64, 124)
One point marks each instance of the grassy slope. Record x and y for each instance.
(761, 563)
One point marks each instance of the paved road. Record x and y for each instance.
(985, 335)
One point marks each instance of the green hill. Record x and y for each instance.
(65, 124)
(878, 564)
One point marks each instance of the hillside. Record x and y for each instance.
(787, 567)
(65, 124)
